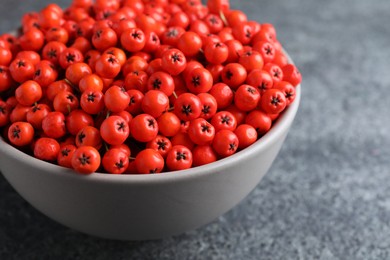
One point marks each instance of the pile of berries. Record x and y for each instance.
(141, 86)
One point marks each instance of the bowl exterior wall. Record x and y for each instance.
(137, 211)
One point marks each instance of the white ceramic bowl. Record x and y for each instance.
(138, 207)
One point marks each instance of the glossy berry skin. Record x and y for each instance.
(288, 90)
(246, 135)
(105, 38)
(135, 104)
(144, 128)
(179, 158)
(116, 99)
(266, 50)
(161, 144)
(36, 114)
(155, 103)
(149, 161)
(86, 160)
(190, 43)
(173, 61)
(70, 56)
(260, 121)
(273, 101)
(53, 125)
(115, 161)
(4, 113)
(65, 102)
(224, 120)
(22, 70)
(188, 107)
(6, 80)
(65, 155)
(162, 81)
(88, 136)
(203, 154)
(216, 53)
(168, 124)
(5, 56)
(275, 71)
(136, 80)
(108, 66)
(133, 40)
(234, 75)
(291, 74)
(92, 101)
(75, 72)
(114, 130)
(46, 149)
(28, 93)
(76, 120)
(20, 133)
(209, 105)
(223, 94)
(201, 131)
(260, 79)
(251, 60)
(246, 98)
(225, 143)
(199, 80)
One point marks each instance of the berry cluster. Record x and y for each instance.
(141, 86)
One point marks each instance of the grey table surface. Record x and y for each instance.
(327, 196)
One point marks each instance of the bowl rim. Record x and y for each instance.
(277, 129)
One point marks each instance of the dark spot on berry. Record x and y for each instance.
(81, 137)
(181, 156)
(248, 33)
(151, 123)
(225, 119)
(229, 75)
(37, 73)
(263, 86)
(176, 57)
(70, 57)
(35, 108)
(155, 170)
(16, 132)
(21, 64)
(132, 100)
(84, 159)
(3, 109)
(65, 152)
(213, 20)
(205, 128)
(206, 109)
(52, 53)
(195, 81)
(121, 126)
(91, 97)
(251, 90)
(70, 98)
(119, 164)
(112, 59)
(268, 50)
(157, 84)
(186, 109)
(161, 145)
(275, 101)
(136, 35)
(172, 33)
(232, 147)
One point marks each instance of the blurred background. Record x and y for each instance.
(327, 196)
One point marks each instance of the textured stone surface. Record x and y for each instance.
(327, 195)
